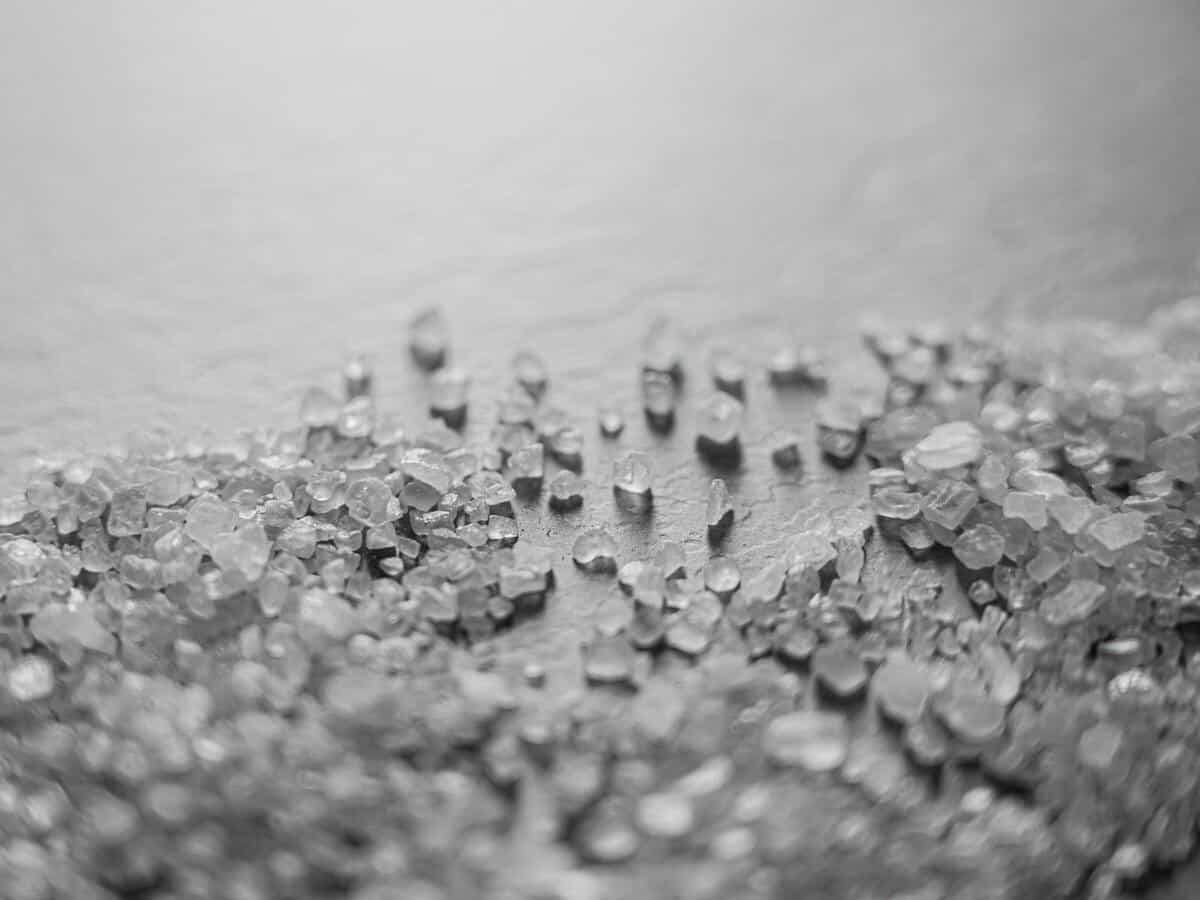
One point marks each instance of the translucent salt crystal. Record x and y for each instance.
(916, 367)
(429, 339)
(12, 510)
(809, 739)
(1028, 507)
(428, 468)
(608, 659)
(370, 502)
(58, 623)
(595, 550)
(950, 446)
(917, 537)
(1179, 414)
(1118, 530)
(981, 593)
(530, 372)
(566, 491)
(839, 430)
(273, 592)
(796, 364)
(839, 670)
(1099, 745)
(658, 400)
(357, 377)
(1073, 604)
(632, 474)
(1046, 563)
(319, 408)
(299, 539)
(449, 391)
(901, 689)
(663, 348)
(719, 423)
(612, 423)
(32, 678)
(1001, 677)
(785, 451)
(719, 508)
(566, 446)
(722, 576)
(970, 714)
(850, 559)
(519, 581)
(948, 502)
(667, 815)
(689, 633)
(893, 502)
(1037, 481)
(21, 559)
(1178, 455)
(356, 418)
(208, 517)
(728, 372)
(526, 467)
(1072, 513)
(245, 551)
(979, 547)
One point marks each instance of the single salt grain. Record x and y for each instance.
(728, 373)
(370, 502)
(530, 372)
(785, 451)
(207, 518)
(893, 502)
(595, 551)
(948, 503)
(839, 430)
(566, 491)
(797, 365)
(526, 468)
(979, 547)
(722, 576)
(1073, 604)
(357, 418)
(632, 474)
(670, 560)
(449, 392)
(1071, 512)
(612, 423)
(901, 689)
(658, 400)
(666, 815)
(839, 670)
(429, 339)
(809, 739)
(357, 377)
(970, 714)
(949, 446)
(719, 426)
(1119, 530)
(32, 678)
(662, 349)
(1028, 507)
(719, 508)
(608, 659)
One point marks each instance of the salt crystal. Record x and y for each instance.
(719, 425)
(429, 339)
(893, 502)
(1071, 512)
(719, 509)
(979, 547)
(796, 364)
(526, 468)
(299, 539)
(722, 576)
(809, 739)
(449, 392)
(608, 659)
(662, 349)
(357, 377)
(901, 689)
(839, 430)
(612, 423)
(632, 474)
(1178, 455)
(950, 446)
(595, 551)
(658, 400)
(32, 678)
(666, 815)
(370, 502)
(728, 373)
(566, 491)
(357, 418)
(207, 518)
(970, 714)
(21, 559)
(245, 551)
(530, 372)
(839, 670)
(785, 451)
(1028, 507)
(1073, 604)
(1118, 530)
(670, 560)
(1127, 438)
(948, 503)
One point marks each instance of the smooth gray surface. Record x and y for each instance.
(203, 208)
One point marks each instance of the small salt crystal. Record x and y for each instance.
(1026, 506)
(658, 400)
(612, 423)
(728, 373)
(839, 430)
(370, 502)
(566, 491)
(31, 679)
(1073, 604)
(357, 377)
(319, 408)
(719, 425)
(948, 502)
(809, 739)
(526, 468)
(979, 547)
(785, 451)
(839, 670)
(530, 372)
(1118, 530)
(722, 576)
(429, 339)
(719, 509)
(449, 392)
(950, 446)
(901, 689)
(595, 551)
(632, 474)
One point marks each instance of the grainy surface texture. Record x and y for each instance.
(204, 210)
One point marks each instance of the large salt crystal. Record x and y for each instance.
(207, 518)
(1072, 604)
(245, 551)
(370, 501)
(949, 446)
(1118, 530)
(808, 739)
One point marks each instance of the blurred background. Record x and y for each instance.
(205, 207)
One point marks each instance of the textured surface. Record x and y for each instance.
(202, 212)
